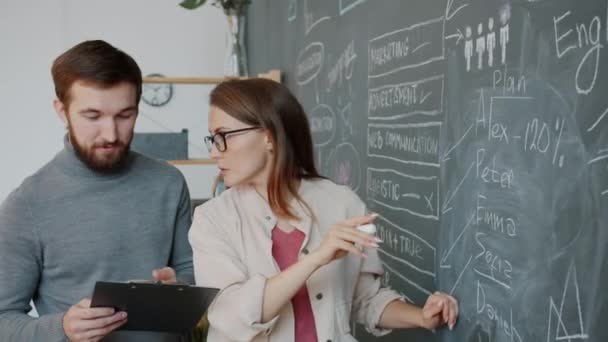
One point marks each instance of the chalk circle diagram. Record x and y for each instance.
(345, 166)
(322, 125)
(309, 62)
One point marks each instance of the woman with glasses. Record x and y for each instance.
(281, 244)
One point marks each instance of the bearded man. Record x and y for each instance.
(96, 211)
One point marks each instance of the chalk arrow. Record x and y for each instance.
(458, 35)
(448, 8)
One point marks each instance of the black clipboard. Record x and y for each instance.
(153, 306)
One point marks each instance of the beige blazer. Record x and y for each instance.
(231, 241)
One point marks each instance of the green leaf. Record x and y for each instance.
(229, 6)
(192, 4)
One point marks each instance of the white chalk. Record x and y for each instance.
(369, 228)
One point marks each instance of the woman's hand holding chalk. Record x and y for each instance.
(369, 228)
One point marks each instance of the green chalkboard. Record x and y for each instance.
(478, 130)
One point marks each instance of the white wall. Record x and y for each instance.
(160, 35)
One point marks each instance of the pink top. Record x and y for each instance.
(285, 250)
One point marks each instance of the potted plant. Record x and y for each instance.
(235, 63)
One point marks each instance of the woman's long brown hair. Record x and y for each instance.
(270, 105)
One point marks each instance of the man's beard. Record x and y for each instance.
(112, 164)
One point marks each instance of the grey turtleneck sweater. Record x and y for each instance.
(66, 227)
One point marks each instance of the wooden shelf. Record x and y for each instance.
(185, 80)
(274, 75)
(192, 162)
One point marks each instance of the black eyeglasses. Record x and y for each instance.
(219, 139)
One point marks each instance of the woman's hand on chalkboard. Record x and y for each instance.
(341, 240)
(440, 309)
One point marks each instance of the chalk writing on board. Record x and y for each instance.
(506, 128)
(588, 37)
(345, 165)
(503, 320)
(342, 69)
(444, 262)
(597, 159)
(508, 84)
(311, 19)
(459, 36)
(292, 10)
(401, 276)
(505, 16)
(482, 43)
(538, 137)
(346, 114)
(322, 125)
(464, 269)
(405, 247)
(450, 12)
(414, 143)
(491, 41)
(403, 130)
(601, 117)
(541, 137)
(309, 62)
(559, 329)
(387, 188)
(394, 51)
(394, 101)
(458, 142)
(504, 225)
(492, 266)
(445, 207)
(347, 5)
(480, 46)
(604, 153)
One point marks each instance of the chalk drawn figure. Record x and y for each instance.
(468, 47)
(480, 48)
(491, 42)
(505, 15)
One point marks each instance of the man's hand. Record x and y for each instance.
(82, 323)
(165, 275)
